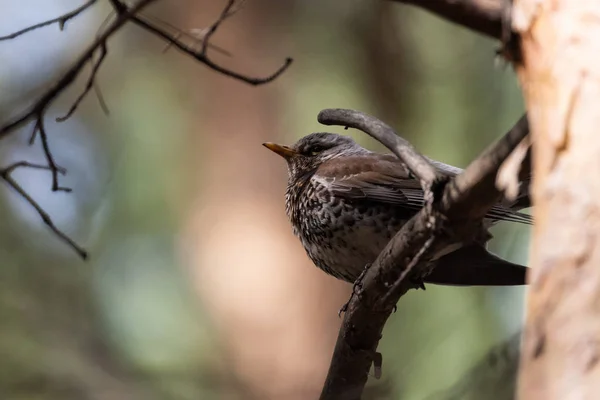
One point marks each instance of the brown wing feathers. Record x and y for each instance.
(382, 178)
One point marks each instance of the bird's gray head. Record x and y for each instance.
(309, 152)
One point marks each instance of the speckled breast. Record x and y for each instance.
(340, 237)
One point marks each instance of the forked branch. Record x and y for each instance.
(456, 212)
(61, 21)
(99, 46)
(6, 175)
(201, 55)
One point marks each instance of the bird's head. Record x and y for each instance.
(312, 150)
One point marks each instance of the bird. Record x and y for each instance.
(345, 203)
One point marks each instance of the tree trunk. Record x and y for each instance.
(560, 77)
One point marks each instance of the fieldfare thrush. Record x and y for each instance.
(345, 203)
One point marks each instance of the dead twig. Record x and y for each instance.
(90, 84)
(69, 76)
(61, 21)
(202, 55)
(6, 175)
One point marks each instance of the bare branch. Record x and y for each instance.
(90, 84)
(37, 113)
(193, 34)
(124, 14)
(227, 12)
(100, 98)
(6, 175)
(61, 21)
(73, 72)
(418, 165)
(55, 169)
(456, 215)
(201, 55)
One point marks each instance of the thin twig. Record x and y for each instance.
(38, 110)
(396, 286)
(73, 72)
(62, 20)
(6, 175)
(100, 98)
(50, 157)
(199, 55)
(108, 28)
(227, 12)
(34, 133)
(90, 83)
(191, 34)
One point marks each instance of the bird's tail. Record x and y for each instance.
(473, 265)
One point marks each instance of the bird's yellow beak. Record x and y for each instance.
(284, 151)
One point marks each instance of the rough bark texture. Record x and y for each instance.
(560, 76)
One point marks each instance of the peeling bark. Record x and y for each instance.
(560, 76)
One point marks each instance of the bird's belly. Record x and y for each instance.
(343, 245)
(348, 253)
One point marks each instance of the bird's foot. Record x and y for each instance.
(356, 290)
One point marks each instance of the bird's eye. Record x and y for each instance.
(313, 151)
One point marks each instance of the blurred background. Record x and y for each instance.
(195, 287)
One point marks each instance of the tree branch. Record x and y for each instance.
(40, 106)
(456, 214)
(61, 21)
(89, 85)
(38, 109)
(6, 175)
(482, 16)
(201, 55)
(99, 46)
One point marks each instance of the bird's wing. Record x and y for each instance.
(371, 178)
(378, 178)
